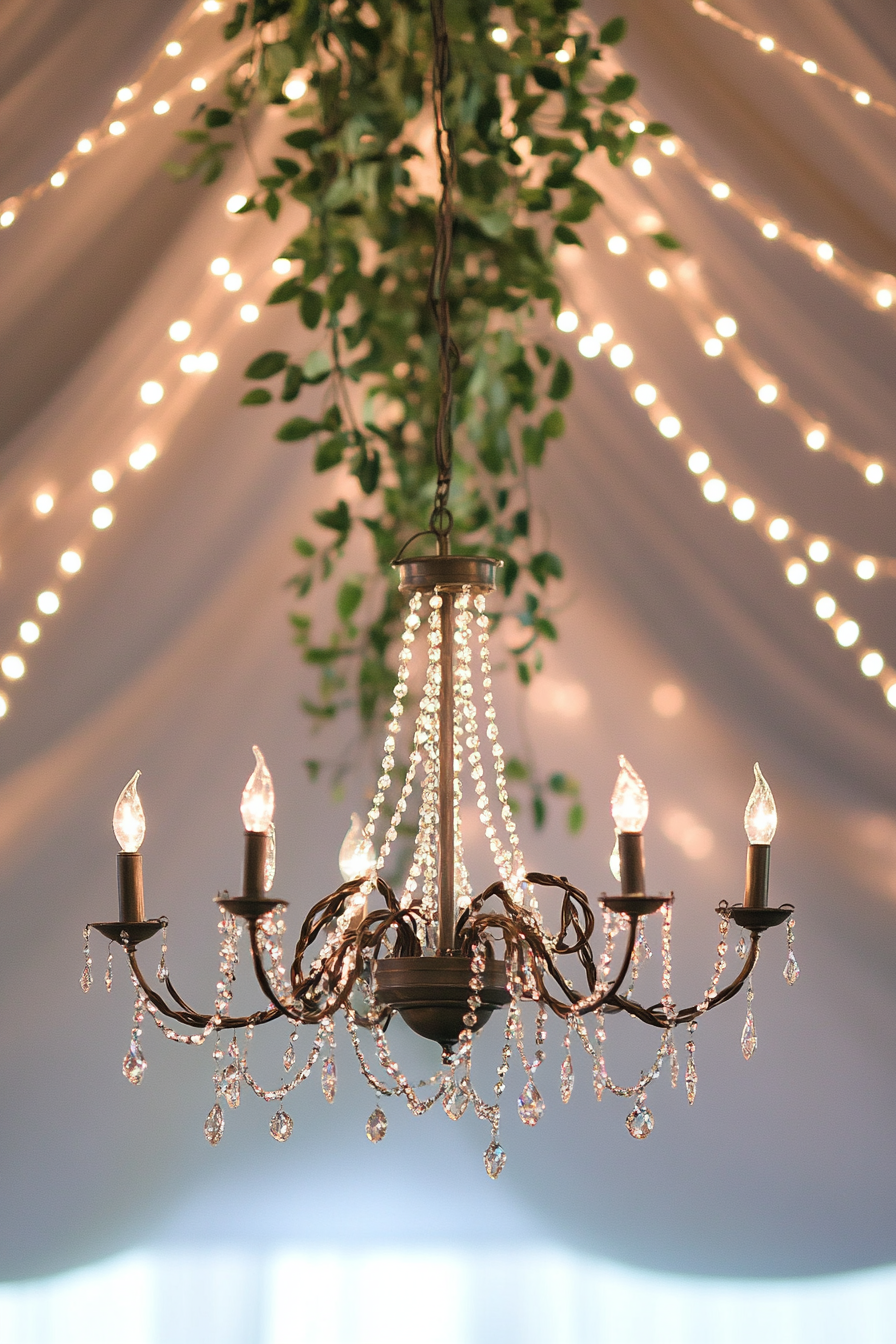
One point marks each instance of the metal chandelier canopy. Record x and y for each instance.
(428, 949)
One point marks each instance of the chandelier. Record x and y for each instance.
(431, 949)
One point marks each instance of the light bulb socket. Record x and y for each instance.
(254, 857)
(756, 883)
(631, 863)
(130, 888)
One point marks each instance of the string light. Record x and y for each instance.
(713, 347)
(58, 179)
(102, 481)
(124, 95)
(117, 128)
(797, 572)
(233, 281)
(866, 568)
(622, 356)
(767, 394)
(743, 509)
(642, 167)
(249, 312)
(70, 562)
(617, 244)
(173, 49)
(658, 278)
(874, 473)
(44, 502)
(726, 326)
(152, 392)
(567, 320)
(102, 517)
(29, 632)
(197, 84)
(220, 266)
(180, 330)
(720, 190)
(645, 394)
(295, 88)
(48, 602)
(590, 347)
(804, 63)
(207, 362)
(669, 426)
(235, 203)
(669, 147)
(6, 218)
(282, 265)
(819, 551)
(141, 457)
(499, 35)
(12, 666)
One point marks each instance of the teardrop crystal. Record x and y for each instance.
(530, 1104)
(455, 1102)
(134, 1065)
(567, 1080)
(87, 979)
(742, 947)
(214, 1125)
(791, 969)
(289, 1058)
(376, 1126)
(494, 1159)
(748, 1036)
(230, 1086)
(281, 1125)
(639, 1122)
(328, 1080)
(690, 1081)
(673, 1064)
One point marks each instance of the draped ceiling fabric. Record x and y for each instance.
(171, 653)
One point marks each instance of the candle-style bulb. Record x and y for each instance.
(257, 803)
(615, 866)
(629, 803)
(761, 816)
(128, 819)
(356, 856)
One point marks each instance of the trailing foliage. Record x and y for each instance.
(358, 170)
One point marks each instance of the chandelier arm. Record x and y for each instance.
(656, 1017)
(190, 1017)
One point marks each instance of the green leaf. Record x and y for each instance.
(524, 672)
(547, 77)
(348, 599)
(218, 116)
(259, 396)
(619, 89)
(329, 453)
(575, 818)
(612, 32)
(539, 811)
(292, 383)
(564, 234)
(337, 520)
(290, 289)
(658, 128)
(304, 139)
(543, 355)
(666, 240)
(304, 548)
(311, 306)
(313, 768)
(265, 366)
(545, 565)
(561, 381)
(297, 429)
(515, 769)
(316, 366)
(553, 425)
(533, 445)
(367, 470)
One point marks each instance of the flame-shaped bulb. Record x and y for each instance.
(128, 820)
(257, 802)
(629, 803)
(356, 856)
(761, 816)
(615, 867)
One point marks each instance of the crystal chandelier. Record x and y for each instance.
(428, 949)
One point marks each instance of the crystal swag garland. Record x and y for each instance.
(430, 950)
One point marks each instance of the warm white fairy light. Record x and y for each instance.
(173, 49)
(645, 394)
(7, 217)
(567, 320)
(766, 44)
(589, 347)
(125, 94)
(207, 362)
(862, 96)
(698, 462)
(816, 439)
(84, 145)
(669, 426)
(668, 147)
(872, 663)
(658, 278)
(891, 694)
(638, 127)
(102, 481)
(825, 607)
(603, 332)
(29, 632)
(212, 6)
(713, 347)
(499, 35)
(714, 489)
(810, 67)
(141, 457)
(282, 265)
(70, 562)
(563, 57)
(642, 167)
(617, 244)
(161, 107)
(825, 252)
(743, 508)
(220, 266)
(12, 666)
(197, 84)
(770, 229)
(189, 363)
(235, 203)
(102, 517)
(233, 281)
(884, 298)
(48, 602)
(819, 551)
(180, 330)
(726, 326)
(622, 356)
(797, 572)
(151, 392)
(874, 473)
(720, 190)
(117, 128)
(767, 393)
(249, 312)
(778, 529)
(295, 88)
(866, 567)
(43, 502)
(58, 179)
(847, 633)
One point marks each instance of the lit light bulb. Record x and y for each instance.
(713, 347)
(567, 320)
(669, 426)
(668, 147)
(161, 107)
(819, 551)
(117, 128)
(766, 44)
(825, 252)
(48, 602)
(810, 67)
(645, 394)
(602, 332)
(779, 529)
(816, 439)
(44, 502)
(282, 265)
(85, 145)
(825, 607)
(589, 347)
(58, 179)
(70, 562)
(629, 803)
(235, 203)
(872, 664)
(220, 266)
(770, 230)
(617, 245)
(173, 49)
(638, 127)
(125, 94)
(128, 819)
(698, 462)
(257, 802)
(743, 509)
(726, 326)
(714, 490)
(180, 330)
(499, 35)
(658, 278)
(866, 567)
(356, 856)
(197, 84)
(141, 457)
(760, 816)
(622, 356)
(102, 481)
(233, 281)
(767, 393)
(642, 167)
(295, 88)
(874, 473)
(151, 393)
(615, 867)
(862, 96)
(720, 190)
(249, 312)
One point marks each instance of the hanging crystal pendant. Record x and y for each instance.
(134, 1065)
(86, 974)
(690, 1073)
(289, 1057)
(673, 1063)
(107, 978)
(455, 1102)
(281, 1125)
(494, 1159)
(86, 978)
(376, 1126)
(748, 1036)
(230, 1086)
(328, 1080)
(567, 1079)
(791, 969)
(214, 1125)
(639, 1122)
(530, 1104)
(742, 947)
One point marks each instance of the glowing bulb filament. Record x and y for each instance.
(760, 817)
(257, 803)
(356, 856)
(128, 820)
(629, 803)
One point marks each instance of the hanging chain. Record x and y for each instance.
(441, 520)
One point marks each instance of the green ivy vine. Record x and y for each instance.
(525, 112)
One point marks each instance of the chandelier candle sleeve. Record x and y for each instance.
(129, 826)
(760, 824)
(629, 806)
(257, 811)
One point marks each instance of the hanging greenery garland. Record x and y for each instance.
(525, 102)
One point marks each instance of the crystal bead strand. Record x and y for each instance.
(712, 987)
(229, 957)
(425, 862)
(518, 872)
(107, 978)
(162, 968)
(690, 1073)
(748, 1041)
(328, 1071)
(791, 970)
(134, 1065)
(278, 1093)
(667, 1000)
(424, 729)
(86, 974)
